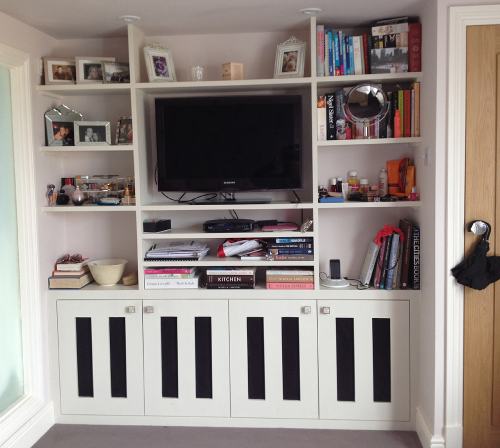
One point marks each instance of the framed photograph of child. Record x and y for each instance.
(59, 71)
(159, 64)
(290, 59)
(90, 70)
(92, 133)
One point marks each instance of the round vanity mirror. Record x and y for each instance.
(366, 104)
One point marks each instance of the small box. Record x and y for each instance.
(232, 70)
(156, 225)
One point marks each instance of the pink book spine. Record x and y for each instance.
(168, 271)
(289, 285)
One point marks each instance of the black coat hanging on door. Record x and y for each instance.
(477, 270)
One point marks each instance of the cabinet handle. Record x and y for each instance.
(130, 309)
(149, 309)
(306, 310)
(324, 310)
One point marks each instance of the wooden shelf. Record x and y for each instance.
(198, 234)
(85, 89)
(397, 204)
(370, 141)
(222, 86)
(326, 81)
(77, 149)
(89, 208)
(156, 207)
(212, 260)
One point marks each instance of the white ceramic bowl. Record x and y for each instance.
(107, 271)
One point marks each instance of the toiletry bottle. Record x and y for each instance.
(364, 187)
(382, 182)
(353, 181)
(333, 185)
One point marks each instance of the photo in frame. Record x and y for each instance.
(124, 131)
(59, 125)
(116, 72)
(59, 70)
(159, 64)
(90, 70)
(92, 133)
(290, 59)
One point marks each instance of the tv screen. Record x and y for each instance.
(231, 143)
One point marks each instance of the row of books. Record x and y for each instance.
(393, 258)
(290, 249)
(402, 118)
(391, 45)
(225, 278)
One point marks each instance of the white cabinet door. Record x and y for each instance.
(364, 359)
(273, 359)
(100, 357)
(186, 357)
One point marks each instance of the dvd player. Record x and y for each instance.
(228, 225)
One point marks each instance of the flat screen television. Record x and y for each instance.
(229, 144)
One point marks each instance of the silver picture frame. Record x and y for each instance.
(90, 70)
(159, 64)
(59, 125)
(290, 59)
(92, 133)
(59, 70)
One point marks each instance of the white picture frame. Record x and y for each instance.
(159, 64)
(90, 70)
(59, 70)
(92, 133)
(290, 59)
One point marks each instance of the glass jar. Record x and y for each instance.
(353, 181)
(364, 187)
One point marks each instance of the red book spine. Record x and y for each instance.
(289, 285)
(407, 113)
(168, 271)
(366, 54)
(415, 47)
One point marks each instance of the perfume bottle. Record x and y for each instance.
(78, 196)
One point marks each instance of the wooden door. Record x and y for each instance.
(364, 359)
(273, 359)
(100, 357)
(482, 201)
(186, 357)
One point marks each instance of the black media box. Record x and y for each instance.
(156, 225)
(228, 225)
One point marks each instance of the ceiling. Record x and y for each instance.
(65, 19)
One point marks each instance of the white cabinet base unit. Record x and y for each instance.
(273, 359)
(186, 358)
(364, 365)
(100, 357)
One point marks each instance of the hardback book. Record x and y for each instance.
(290, 246)
(289, 278)
(168, 276)
(294, 257)
(406, 226)
(173, 283)
(231, 271)
(390, 26)
(407, 113)
(330, 116)
(170, 270)
(290, 251)
(393, 261)
(331, 60)
(340, 123)
(70, 273)
(385, 262)
(369, 263)
(321, 110)
(396, 283)
(415, 47)
(357, 55)
(241, 285)
(230, 279)
(307, 272)
(70, 282)
(416, 89)
(289, 285)
(415, 258)
(320, 51)
(289, 240)
(71, 266)
(379, 266)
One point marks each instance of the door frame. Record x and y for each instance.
(460, 17)
(27, 418)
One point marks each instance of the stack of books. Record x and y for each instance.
(171, 278)
(289, 279)
(174, 251)
(290, 249)
(70, 276)
(230, 278)
(396, 46)
(394, 262)
(402, 118)
(341, 52)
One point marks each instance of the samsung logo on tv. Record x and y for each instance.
(229, 182)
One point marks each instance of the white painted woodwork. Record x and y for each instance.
(187, 404)
(364, 407)
(101, 403)
(273, 406)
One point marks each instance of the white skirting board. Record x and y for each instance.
(32, 430)
(425, 435)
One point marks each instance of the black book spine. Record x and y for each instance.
(330, 116)
(415, 260)
(230, 278)
(291, 246)
(230, 285)
(385, 264)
